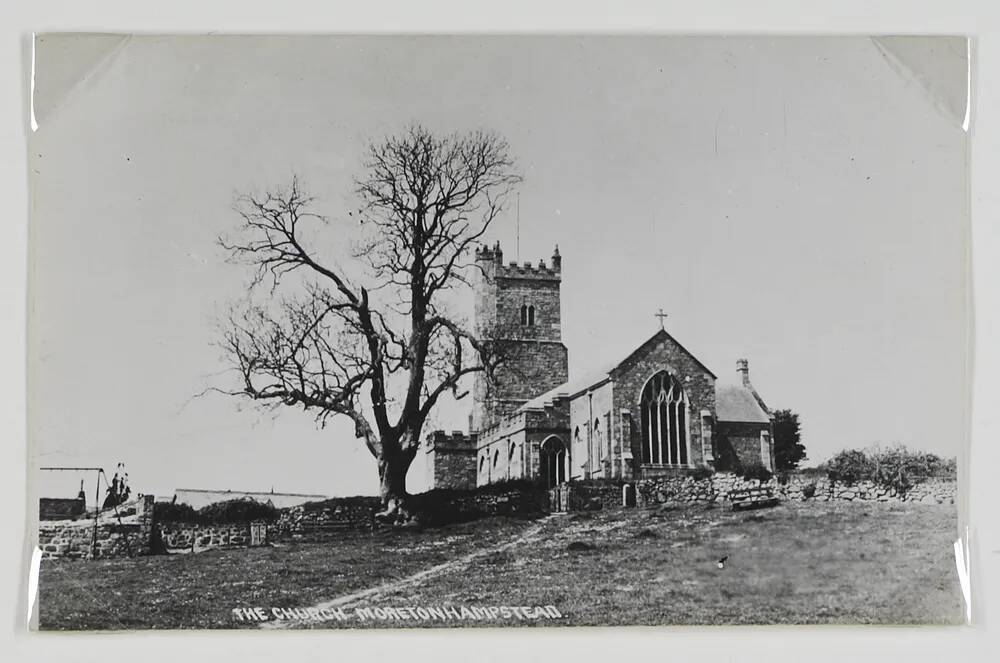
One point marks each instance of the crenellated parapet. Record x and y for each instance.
(514, 270)
(451, 459)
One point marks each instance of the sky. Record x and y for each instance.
(801, 202)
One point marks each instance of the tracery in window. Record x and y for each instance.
(663, 408)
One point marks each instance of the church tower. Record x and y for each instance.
(518, 305)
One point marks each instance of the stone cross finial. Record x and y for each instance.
(662, 316)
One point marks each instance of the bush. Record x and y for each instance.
(236, 511)
(174, 513)
(851, 466)
(755, 472)
(441, 506)
(895, 467)
(369, 501)
(809, 490)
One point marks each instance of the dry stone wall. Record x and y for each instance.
(797, 487)
(324, 519)
(184, 537)
(125, 532)
(718, 488)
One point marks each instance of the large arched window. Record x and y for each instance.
(510, 460)
(531, 316)
(663, 409)
(524, 314)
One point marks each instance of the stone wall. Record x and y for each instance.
(187, 537)
(798, 487)
(321, 520)
(125, 532)
(739, 444)
(717, 488)
(586, 496)
(516, 499)
(451, 460)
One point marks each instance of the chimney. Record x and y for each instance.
(743, 368)
(556, 260)
(499, 253)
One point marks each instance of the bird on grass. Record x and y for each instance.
(722, 561)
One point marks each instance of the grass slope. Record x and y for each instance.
(819, 562)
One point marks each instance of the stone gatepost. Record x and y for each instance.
(258, 533)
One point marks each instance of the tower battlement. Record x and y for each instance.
(514, 270)
(519, 305)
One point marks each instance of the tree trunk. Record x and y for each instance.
(392, 469)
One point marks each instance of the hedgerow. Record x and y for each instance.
(893, 467)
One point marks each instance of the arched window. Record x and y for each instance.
(524, 314)
(496, 459)
(482, 464)
(597, 453)
(531, 316)
(510, 460)
(663, 408)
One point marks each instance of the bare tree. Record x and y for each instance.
(379, 348)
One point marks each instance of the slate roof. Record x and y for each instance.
(738, 403)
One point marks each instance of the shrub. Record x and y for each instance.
(174, 513)
(755, 472)
(895, 467)
(349, 502)
(236, 511)
(809, 490)
(849, 467)
(441, 506)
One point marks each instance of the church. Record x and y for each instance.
(656, 411)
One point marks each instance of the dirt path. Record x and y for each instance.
(390, 587)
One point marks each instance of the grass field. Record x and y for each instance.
(811, 562)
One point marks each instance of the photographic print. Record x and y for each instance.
(465, 331)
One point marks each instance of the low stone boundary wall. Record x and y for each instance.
(797, 487)
(321, 520)
(125, 532)
(186, 537)
(587, 496)
(448, 506)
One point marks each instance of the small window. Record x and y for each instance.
(598, 441)
(531, 316)
(524, 314)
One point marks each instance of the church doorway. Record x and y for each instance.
(553, 461)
